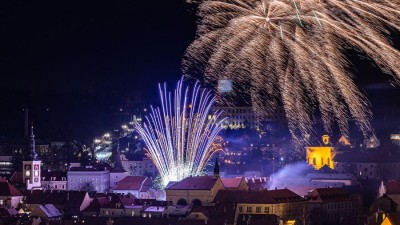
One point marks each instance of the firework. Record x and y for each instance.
(293, 51)
(179, 136)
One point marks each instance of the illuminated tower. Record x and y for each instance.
(321, 155)
(31, 166)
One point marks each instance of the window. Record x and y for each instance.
(258, 209)
(322, 161)
(106, 212)
(329, 161)
(240, 209)
(266, 209)
(249, 209)
(314, 161)
(1, 201)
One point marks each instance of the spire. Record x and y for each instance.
(216, 168)
(32, 152)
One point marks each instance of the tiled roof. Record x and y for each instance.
(231, 182)
(328, 195)
(120, 200)
(69, 199)
(257, 183)
(50, 210)
(6, 189)
(257, 197)
(131, 183)
(392, 187)
(16, 177)
(194, 183)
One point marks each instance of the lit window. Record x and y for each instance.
(240, 209)
(249, 209)
(258, 209)
(266, 209)
(314, 161)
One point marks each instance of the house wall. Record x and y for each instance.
(54, 185)
(286, 211)
(10, 202)
(99, 180)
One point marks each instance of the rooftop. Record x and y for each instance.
(257, 197)
(131, 183)
(6, 189)
(194, 183)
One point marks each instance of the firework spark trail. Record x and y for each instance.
(179, 135)
(294, 51)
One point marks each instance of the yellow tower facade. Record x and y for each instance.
(319, 156)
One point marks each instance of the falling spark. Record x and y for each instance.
(179, 136)
(307, 71)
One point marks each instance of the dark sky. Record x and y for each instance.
(74, 63)
(107, 44)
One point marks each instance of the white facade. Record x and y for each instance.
(143, 167)
(31, 174)
(87, 179)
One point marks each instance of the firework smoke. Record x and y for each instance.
(293, 51)
(179, 136)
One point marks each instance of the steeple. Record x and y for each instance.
(32, 152)
(216, 168)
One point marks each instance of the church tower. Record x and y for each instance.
(321, 154)
(216, 168)
(31, 166)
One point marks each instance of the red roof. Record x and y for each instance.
(6, 189)
(329, 195)
(194, 183)
(131, 183)
(392, 187)
(257, 197)
(232, 182)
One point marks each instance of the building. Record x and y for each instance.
(71, 203)
(10, 197)
(88, 179)
(31, 167)
(137, 186)
(54, 180)
(7, 166)
(391, 189)
(199, 190)
(237, 183)
(118, 206)
(283, 203)
(143, 167)
(369, 165)
(47, 212)
(332, 206)
(320, 154)
(117, 173)
(245, 117)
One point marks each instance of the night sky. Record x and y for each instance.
(76, 63)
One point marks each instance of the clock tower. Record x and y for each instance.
(31, 166)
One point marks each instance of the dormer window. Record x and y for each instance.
(53, 178)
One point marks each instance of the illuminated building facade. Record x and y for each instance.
(31, 169)
(321, 155)
(245, 117)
